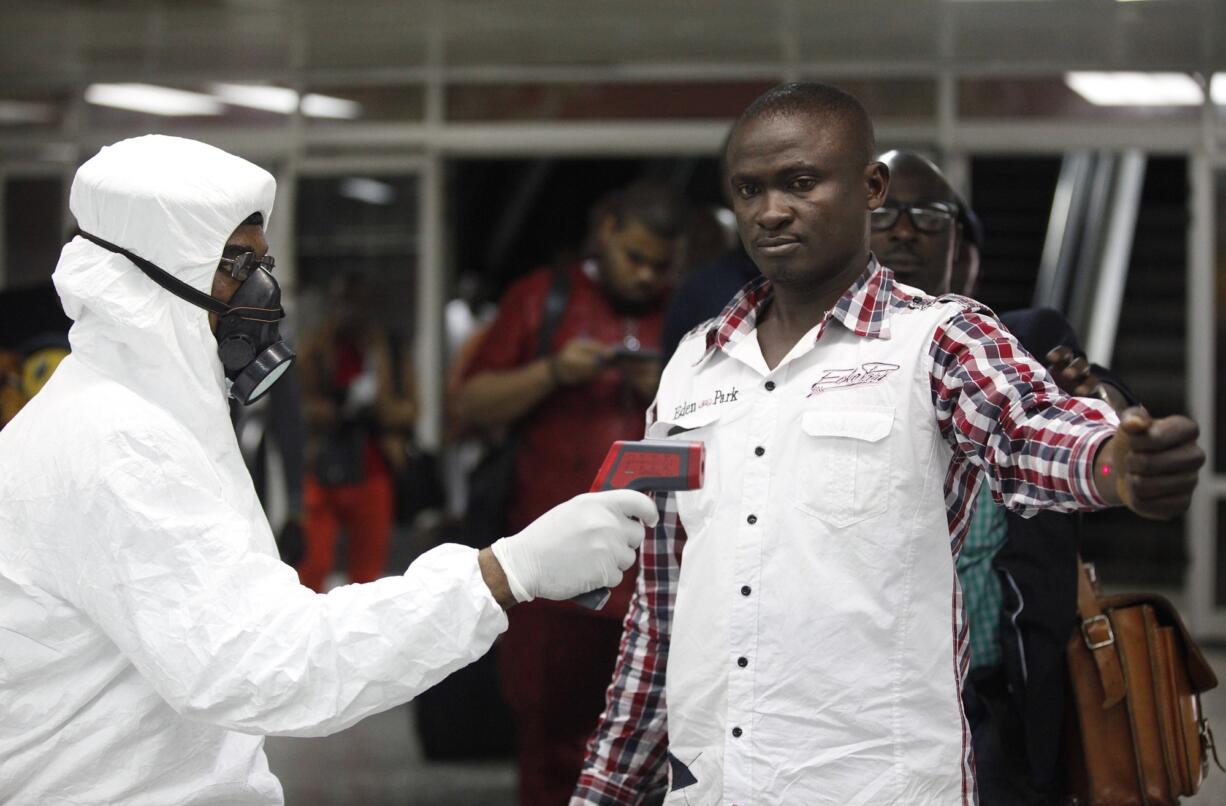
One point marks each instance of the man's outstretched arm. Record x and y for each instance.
(625, 756)
(1041, 449)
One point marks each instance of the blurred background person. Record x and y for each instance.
(359, 404)
(590, 388)
(272, 437)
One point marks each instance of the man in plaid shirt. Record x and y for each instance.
(813, 651)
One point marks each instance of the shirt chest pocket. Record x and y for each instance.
(844, 464)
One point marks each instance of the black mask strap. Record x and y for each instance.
(184, 291)
(163, 278)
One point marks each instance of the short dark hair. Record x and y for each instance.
(656, 206)
(818, 101)
(255, 218)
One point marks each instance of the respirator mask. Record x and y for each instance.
(249, 342)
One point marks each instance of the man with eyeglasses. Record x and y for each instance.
(917, 231)
(797, 633)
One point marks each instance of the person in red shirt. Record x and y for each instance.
(358, 405)
(589, 389)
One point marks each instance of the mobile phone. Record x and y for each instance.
(626, 354)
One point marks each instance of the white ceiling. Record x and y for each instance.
(70, 42)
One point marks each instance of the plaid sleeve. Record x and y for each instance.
(999, 409)
(625, 756)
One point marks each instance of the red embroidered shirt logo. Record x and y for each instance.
(871, 372)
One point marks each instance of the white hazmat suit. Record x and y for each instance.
(149, 635)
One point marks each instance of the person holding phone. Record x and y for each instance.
(568, 400)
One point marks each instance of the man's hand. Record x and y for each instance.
(1073, 375)
(576, 547)
(578, 360)
(1150, 466)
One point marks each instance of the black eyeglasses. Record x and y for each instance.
(240, 267)
(930, 218)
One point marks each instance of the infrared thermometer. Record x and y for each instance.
(646, 465)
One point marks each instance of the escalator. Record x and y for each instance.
(1014, 195)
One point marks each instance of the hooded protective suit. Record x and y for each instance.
(149, 635)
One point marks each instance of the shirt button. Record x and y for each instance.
(736, 733)
(758, 451)
(746, 590)
(770, 386)
(752, 519)
(742, 662)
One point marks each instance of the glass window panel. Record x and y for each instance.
(1012, 195)
(1050, 97)
(33, 229)
(903, 98)
(31, 112)
(586, 101)
(377, 103)
(358, 223)
(853, 32)
(345, 35)
(1128, 36)
(627, 32)
(521, 214)
(1151, 340)
(890, 97)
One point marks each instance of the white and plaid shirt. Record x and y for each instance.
(988, 406)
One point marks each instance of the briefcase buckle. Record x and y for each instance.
(1085, 632)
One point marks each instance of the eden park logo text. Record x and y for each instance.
(871, 372)
(716, 399)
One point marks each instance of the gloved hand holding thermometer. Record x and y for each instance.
(648, 465)
(579, 545)
(580, 548)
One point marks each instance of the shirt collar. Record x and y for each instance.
(862, 309)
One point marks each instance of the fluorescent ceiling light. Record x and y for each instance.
(25, 112)
(1136, 89)
(367, 190)
(1217, 89)
(152, 100)
(284, 101)
(256, 96)
(325, 106)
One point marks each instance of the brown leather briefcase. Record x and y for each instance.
(1136, 733)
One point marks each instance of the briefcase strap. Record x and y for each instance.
(1099, 638)
(1207, 741)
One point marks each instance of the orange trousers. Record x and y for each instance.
(365, 510)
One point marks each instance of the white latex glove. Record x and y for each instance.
(576, 547)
